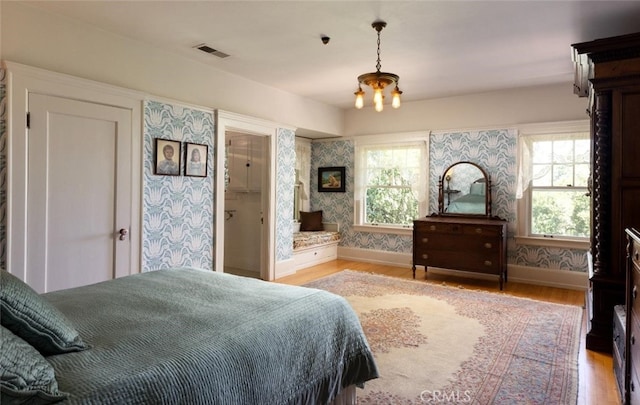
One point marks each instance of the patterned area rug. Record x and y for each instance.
(439, 344)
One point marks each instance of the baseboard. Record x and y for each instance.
(284, 268)
(571, 280)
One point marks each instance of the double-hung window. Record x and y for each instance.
(554, 177)
(391, 183)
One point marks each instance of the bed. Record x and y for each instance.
(472, 203)
(199, 337)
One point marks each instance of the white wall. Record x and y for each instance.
(500, 109)
(33, 37)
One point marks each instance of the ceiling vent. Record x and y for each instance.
(207, 49)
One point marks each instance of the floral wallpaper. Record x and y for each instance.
(285, 180)
(177, 213)
(3, 169)
(494, 150)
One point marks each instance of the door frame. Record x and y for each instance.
(232, 122)
(21, 80)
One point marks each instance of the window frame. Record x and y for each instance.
(524, 204)
(369, 141)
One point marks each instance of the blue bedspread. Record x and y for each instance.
(187, 336)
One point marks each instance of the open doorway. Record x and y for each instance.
(244, 203)
(245, 196)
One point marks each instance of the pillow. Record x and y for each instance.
(478, 188)
(25, 313)
(26, 376)
(311, 221)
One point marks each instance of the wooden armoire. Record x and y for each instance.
(608, 72)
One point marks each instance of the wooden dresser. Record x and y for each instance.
(608, 72)
(476, 245)
(632, 341)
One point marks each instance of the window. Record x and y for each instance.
(391, 183)
(555, 175)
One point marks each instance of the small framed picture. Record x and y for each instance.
(331, 179)
(196, 160)
(167, 157)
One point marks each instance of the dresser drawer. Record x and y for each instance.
(635, 290)
(482, 230)
(471, 261)
(431, 228)
(456, 228)
(635, 255)
(634, 388)
(634, 344)
(459, 244)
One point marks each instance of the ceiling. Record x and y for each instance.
(438, 48)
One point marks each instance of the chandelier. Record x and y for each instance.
(378, 80)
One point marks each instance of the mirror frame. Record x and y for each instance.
(441, 192)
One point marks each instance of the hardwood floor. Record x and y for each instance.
(597, 384)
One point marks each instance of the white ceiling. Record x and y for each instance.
(438, 48)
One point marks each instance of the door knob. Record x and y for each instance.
(123, 233)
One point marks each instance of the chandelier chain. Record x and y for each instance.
(378, 65)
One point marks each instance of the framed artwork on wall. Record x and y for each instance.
(196, 160)
(331, 179)
(167, 157)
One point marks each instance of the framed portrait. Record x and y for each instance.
(331, 179)
(167, 160)
(196, 160)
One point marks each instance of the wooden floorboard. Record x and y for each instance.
(596, 379)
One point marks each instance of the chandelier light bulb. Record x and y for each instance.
(377, 96)
(359, 98)
(379, 106)
(395, 102)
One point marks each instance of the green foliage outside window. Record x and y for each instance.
(389, 199)
(563, 213)
(559, 206)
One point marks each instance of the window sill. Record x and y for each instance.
(395, 230)
(553, 242)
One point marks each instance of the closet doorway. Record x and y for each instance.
(245, 196)
(243, 203)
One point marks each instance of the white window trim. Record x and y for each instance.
(523, 204)
(391, 139)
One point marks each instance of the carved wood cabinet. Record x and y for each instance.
(471, 244)
(608, 71)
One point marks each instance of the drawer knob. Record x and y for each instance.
(633, 340)
(432, 227)
(633, 387)
(487, 263)
(425, 256)
(478, 230)
(634, 292)
(425, 240)
(637, 255)
(488, 245)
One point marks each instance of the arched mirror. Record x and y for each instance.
(464, 189)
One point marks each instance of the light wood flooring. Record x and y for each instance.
(596, 380)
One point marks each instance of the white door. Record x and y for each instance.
(79, 192)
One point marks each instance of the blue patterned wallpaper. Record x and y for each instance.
(494, 150)
(3, 169)
(285, 179)
(177, 214)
